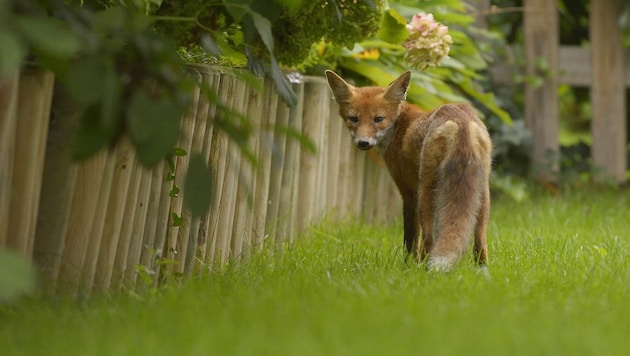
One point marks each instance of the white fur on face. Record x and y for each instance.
(371, 140)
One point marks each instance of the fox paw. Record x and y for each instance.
(483, 270)
(439, 264)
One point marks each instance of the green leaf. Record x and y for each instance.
(80, 80)
(174, 193)
(91, 135)
(376, 71)
(304, 140)
(110, 98)
(376, 43)
(49, 36)
(393, 27)
(291, 4)
(153, 126)
(179, 152)
(253, 81)
(12, 54)
(486, 99)
(263, 26)
(282, 84)
(453, 18)
(101, 121)
(209, 45)
(423, 97)
(177, 221)
(198, 186)
(17, 277)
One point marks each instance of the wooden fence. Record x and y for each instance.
(601, 67)
(99, 224)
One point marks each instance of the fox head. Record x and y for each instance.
(370, 113)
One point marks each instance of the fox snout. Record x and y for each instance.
(364, 143)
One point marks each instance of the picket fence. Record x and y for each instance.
(107, 222)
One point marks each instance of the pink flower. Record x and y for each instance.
(428, 42)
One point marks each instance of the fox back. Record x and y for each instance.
(440, 161)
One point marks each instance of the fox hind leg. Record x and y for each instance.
(480, 248)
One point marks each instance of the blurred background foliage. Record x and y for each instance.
(130, 47)
(574, 107)
(139, 49)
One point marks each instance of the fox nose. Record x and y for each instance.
(364, 144)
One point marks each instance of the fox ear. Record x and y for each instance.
(397, 90)
(341, 90)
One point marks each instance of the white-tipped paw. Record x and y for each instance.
(483, 270)
(439, 264)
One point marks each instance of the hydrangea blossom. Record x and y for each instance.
(428, 41)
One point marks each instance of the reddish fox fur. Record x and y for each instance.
(440, 161)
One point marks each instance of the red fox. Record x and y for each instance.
(440, 161)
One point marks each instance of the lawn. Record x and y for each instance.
(560, 285)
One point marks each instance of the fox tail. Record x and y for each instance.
(461, 178)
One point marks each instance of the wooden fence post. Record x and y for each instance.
(8, 119)
(30, 134)
(265, 112)
(316, 101)
(58, 189)
(541, 102)
(290, 187)
(105, 221)
(608, 91)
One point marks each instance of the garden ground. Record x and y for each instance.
(560, 284)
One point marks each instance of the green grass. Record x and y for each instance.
(560, 285)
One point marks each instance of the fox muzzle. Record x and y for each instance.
(365, 143)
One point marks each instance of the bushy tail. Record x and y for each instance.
(461, 178)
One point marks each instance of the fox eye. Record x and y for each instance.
(353, 119)
(378, 119)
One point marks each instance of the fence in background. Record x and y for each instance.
(602, 66)
(103, 223)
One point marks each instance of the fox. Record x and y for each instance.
(440, 161)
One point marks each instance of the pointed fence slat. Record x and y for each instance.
(177, 243)
(59, 184)
(212, 80)
(320, 112)
(337, 139)
(262, 190)
(238, 184)
(289, 189)
(114, 214)
(233, 96)
(9, 99)
(187, 234)
(315, 113)
(346, 156)
(31, 130)
(277, 164)
(153, 249)
(217, 162)
(100, 196)
(128, 224)
(250, 106)
(139, 225)
(200, 142)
